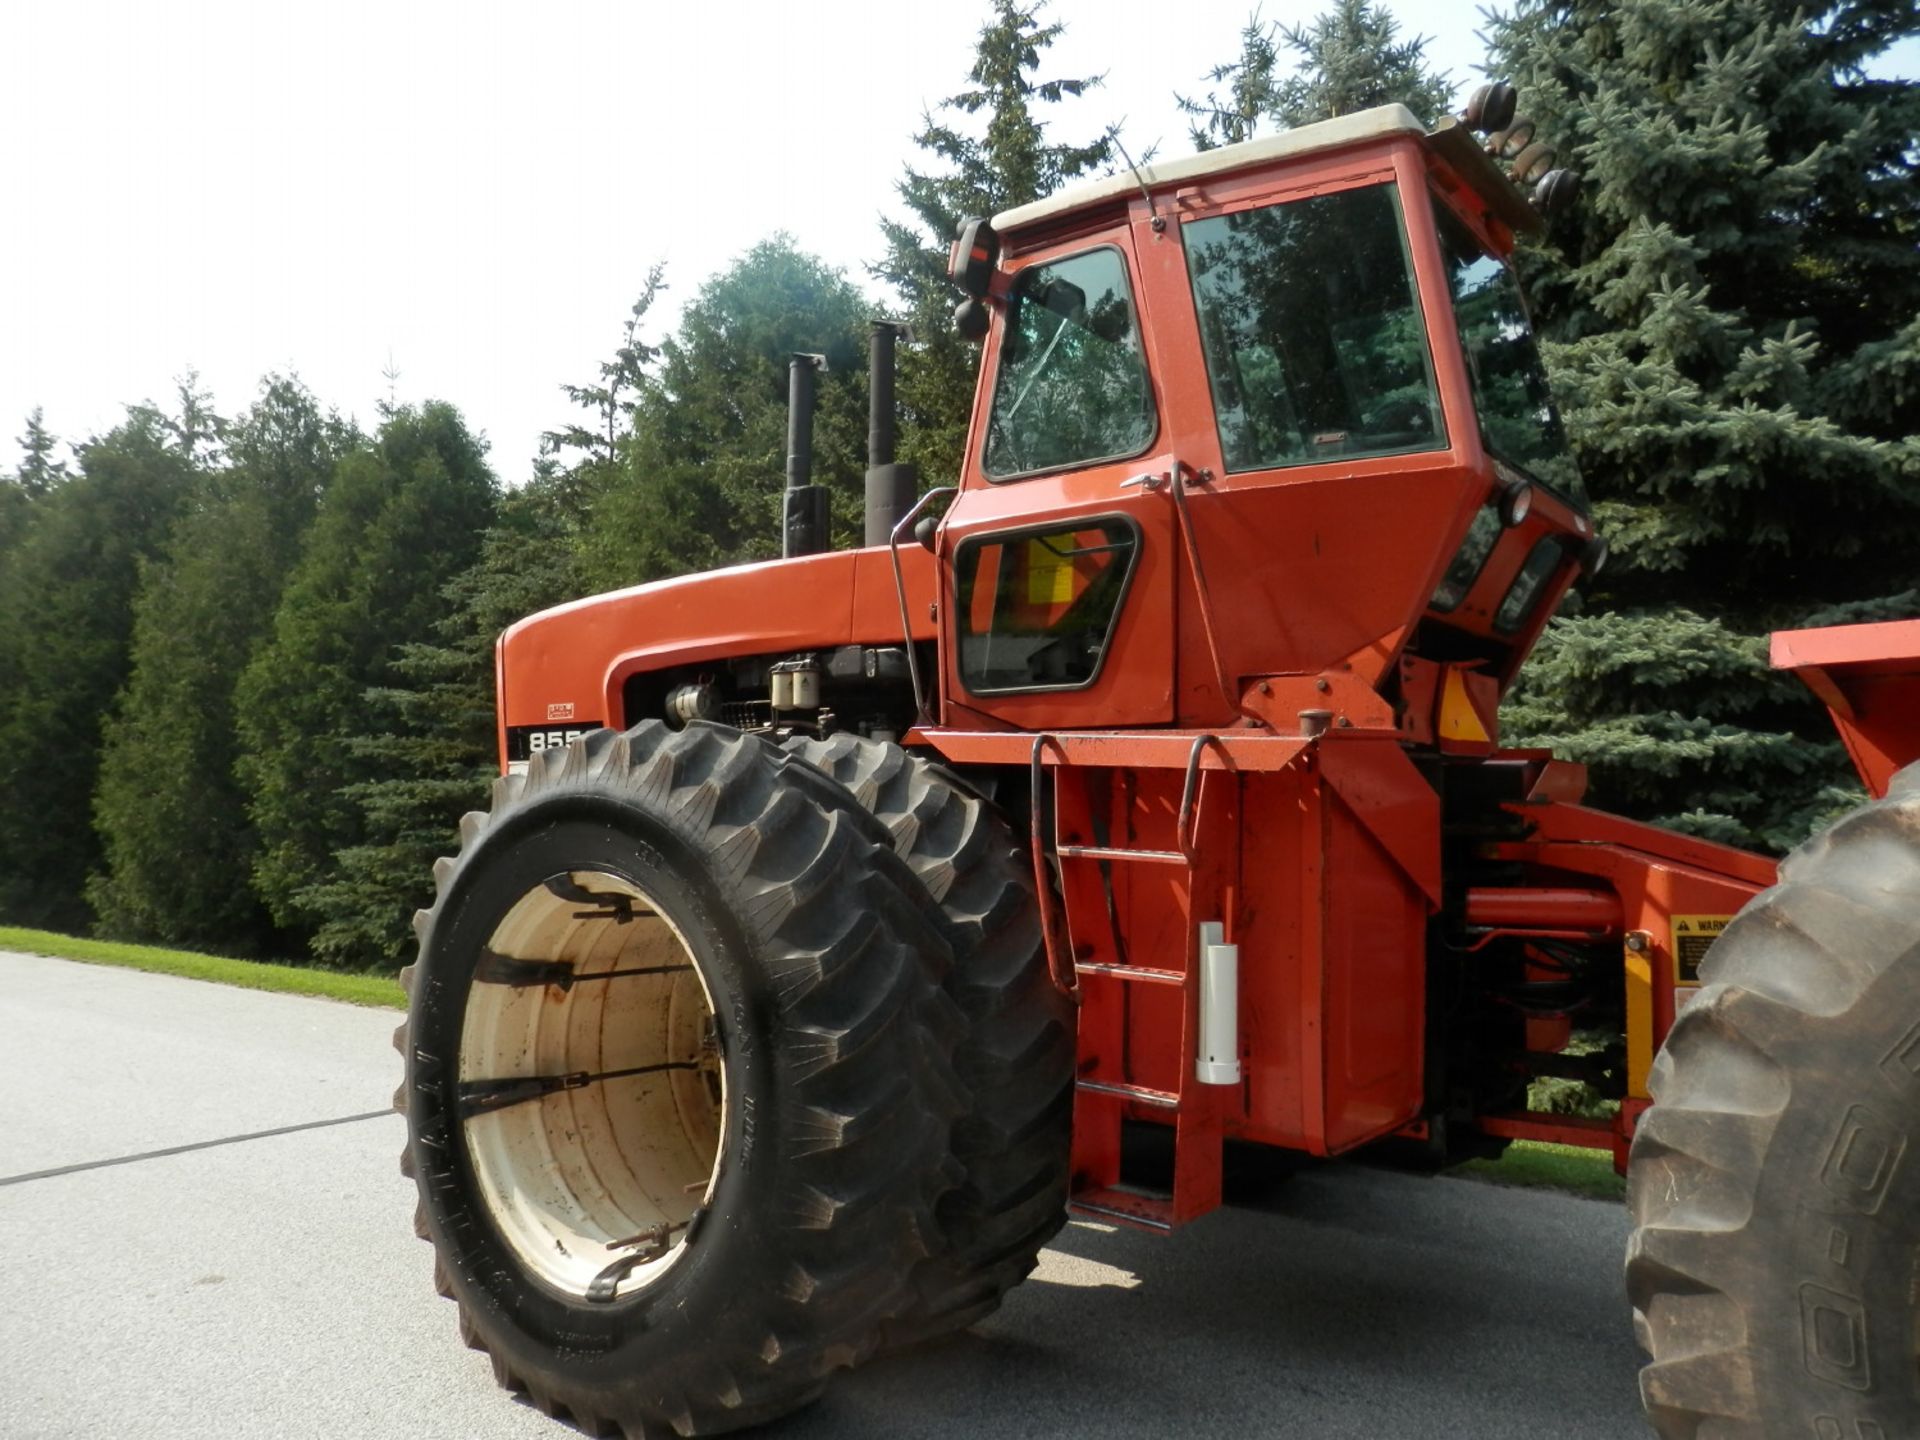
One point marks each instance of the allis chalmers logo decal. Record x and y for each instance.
(560, 710)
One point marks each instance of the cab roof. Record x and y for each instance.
(1450, 138)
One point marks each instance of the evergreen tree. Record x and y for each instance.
(39, 472)
(197, 431)
(171, 816)
(401, 517)
(699, 479)
(615, 401)
(991, 150)
(1736, 311)
(1251, 90)
(1347, 59)
(433, 747)
(66, 595)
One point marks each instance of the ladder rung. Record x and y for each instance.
(1109, 852)
(1150, 1211)
(1165, 1099)
(1134, 972)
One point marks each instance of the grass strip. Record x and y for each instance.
(354, 989)
(1530, 1163)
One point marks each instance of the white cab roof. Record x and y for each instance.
(1326, 135)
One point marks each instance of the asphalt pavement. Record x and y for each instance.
(203, 1233)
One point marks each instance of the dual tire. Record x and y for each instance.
(687, 1083)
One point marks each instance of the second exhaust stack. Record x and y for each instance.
(891, 487)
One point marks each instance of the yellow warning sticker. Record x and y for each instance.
(1693, 936)
(1458, 719)
(1049, 575)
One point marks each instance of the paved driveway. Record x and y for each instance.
(157, 1285)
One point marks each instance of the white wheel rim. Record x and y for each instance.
(599, 1181)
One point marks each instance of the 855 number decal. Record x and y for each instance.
(526, 741)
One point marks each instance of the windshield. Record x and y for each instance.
(1518, 421)
(1072, 387)
(1314, 344)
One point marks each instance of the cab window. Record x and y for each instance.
(1528, 586)
(1036, 608)
(1072, 387)
(1315, 347)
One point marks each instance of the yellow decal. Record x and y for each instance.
(1693, 936)
(1458, 719)
(1049, 575)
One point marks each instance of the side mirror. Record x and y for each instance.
(975, 252)
(971, 318)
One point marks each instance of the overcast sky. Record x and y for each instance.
(476, 190)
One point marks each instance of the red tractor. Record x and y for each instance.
(841, 923)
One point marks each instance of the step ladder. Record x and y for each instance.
(1103, 1099)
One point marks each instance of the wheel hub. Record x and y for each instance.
(592, 1085)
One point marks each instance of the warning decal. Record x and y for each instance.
(1049, 575)
(1693, 936)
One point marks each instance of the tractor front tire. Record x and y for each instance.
(1017, 1060)
(678, 1081)
(1775, 1183)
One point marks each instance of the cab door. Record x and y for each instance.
(1059, 554)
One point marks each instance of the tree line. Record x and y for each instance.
(246, 660)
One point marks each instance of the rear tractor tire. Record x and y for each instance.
(1017, 1060)
(1775, 1183)
(678, 1081)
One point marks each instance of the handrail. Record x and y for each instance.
(1065, 978)
(920, 714)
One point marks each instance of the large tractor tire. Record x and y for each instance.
(678, 1085)
(1017, 1060)
(1775, 1183)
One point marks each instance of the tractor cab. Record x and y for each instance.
(1260, 430)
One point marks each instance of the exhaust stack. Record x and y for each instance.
(891, 487)
(804, 527)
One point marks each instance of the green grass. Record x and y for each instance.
(1550, 1167)
(381, 990)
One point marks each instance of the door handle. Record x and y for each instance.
(1152, 480)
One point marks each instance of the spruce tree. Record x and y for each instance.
(614, 402)
(1347, 59)
(66, 593)
(989, 151)
(1735, 307)
(401, 517)
(432, 750)
(39, 472)
(170, 812)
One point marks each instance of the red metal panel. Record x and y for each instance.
(581, 653)
(1374, 983)
(1387, 795)
(1131, 749)
(1577, 825)
(1868, 676)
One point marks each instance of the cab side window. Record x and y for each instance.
(1072, 387)
(1036, 608)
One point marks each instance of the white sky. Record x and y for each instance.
(477, 189)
